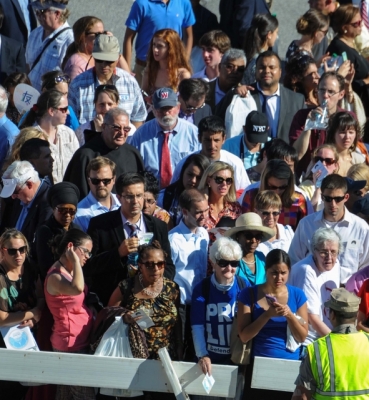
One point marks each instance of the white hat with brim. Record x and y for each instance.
(8, 188)
(250, 222)
(106, 48)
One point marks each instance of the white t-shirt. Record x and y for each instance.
(317, 287)
(285, 238)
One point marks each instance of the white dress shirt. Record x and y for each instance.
(285, 233)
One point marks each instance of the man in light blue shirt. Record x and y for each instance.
(189, 248)
(101, 179)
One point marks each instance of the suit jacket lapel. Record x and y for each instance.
(150, 226)
(117, 225)
(17, 6)
(256, 95)
(282, 109)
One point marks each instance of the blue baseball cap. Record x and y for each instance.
(164, 97)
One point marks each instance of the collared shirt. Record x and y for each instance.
(186, 117)
(89, 207)
(354, 233)
(24, 6)
(219, 94)
(82, 91)
(238, 147)
(8, 132)
(140, 224)
(240, 176)
(189, 254)
(52, 57)
(148, 139)
(202, 75)
(148, 16)
(273, 109)
(25, 209)
(285, 234)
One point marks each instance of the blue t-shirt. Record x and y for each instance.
(216, 314)
(271, 340)
(148, 16)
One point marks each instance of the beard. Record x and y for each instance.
(167, 121)
(102, 194)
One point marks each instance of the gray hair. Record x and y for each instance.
(22, 171)
(233, 54)
(3, 99)
(323, 235)
(113, 113)
(225, 248)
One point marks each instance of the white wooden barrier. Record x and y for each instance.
(275, 374)
(109, 372)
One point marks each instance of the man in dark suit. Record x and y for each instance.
(114, 235)
(19, 20)
(29, 208)
(273, 99)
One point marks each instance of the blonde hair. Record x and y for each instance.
(210, 171)
(359, 172)
(13, 233)
(267, 199)
(24, 135)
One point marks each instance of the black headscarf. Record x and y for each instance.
(63, 193)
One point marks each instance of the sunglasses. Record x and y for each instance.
(356, 24)
(65, 211)
(250, 236)
(13, 252)
(96, 34)
(103, 61)
(329, 199)
(225, 263)
(267, 213)
(272, 187)
(235, 68)
(219, 180)
(101, 88)
(150, 265)
(62, 109)
(85, 251)
(328, 161)
(96, 181)
(118, 128)
(191, 108)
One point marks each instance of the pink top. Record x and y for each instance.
(72, 319)
(76, 65)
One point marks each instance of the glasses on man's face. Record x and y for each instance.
(356, 24)
(85, 251)
(151, 265)
(66, 210)
(219, 180)
(132, 197)
(327, 161)
(96, 181)
(268, 213)
(192, 108)
(118, 128)
(17, 191)
(42, 11)
(329, 92)
(63, 110)
(239, 69)
(329, 199)
(104, 61)
(224, 263)
(13, 252)
(327, 253)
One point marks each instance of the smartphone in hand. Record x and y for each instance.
(270, 299)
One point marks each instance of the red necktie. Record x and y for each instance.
(364, 13)
(165, 165)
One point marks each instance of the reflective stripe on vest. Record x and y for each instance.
(339, 366)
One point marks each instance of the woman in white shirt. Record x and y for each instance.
(269, 207)
(317, 275)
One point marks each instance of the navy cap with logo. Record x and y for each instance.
(164, 97)
(257, 127)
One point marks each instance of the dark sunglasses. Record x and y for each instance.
(62, 109)
(219, 180)
(328, 161)
(119, 128)
(96, 33)
(65, 210)
(191, 108)
(13, 252)
(250, 236)
(96, 181)
(103, 61)
(356, 24)
(235, 68)
(272, 187)
(329, 199)
(267, 213)
(225, 263)
(150, 265)
(101, 88)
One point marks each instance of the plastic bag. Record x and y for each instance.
(320, 121)
(292, 344)
(236, 114)
(115, 343)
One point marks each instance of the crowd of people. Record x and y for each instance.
(204, 182)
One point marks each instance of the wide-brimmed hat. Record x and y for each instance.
(250, 222)
(342, 300)
(106, 48)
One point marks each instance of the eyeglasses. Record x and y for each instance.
(329, 199)
(62, 78)
(239, 69)
(272, 187)
(330, 92)
(191, 108)
(150, 201)
(326, 253)
(225, 263)
(96, 34)
(101, 88)
(43, 11)
(65, 211)
(251, 235)
(85, 251)
(324, 31)
(64, 110)
(118, 128)
(13, 252)
(17, 191)
(104, 61)
(356, 24)
(96, 181)
(132, 197)
(219, 180)
(267, 213)
(328, 161)
(150, 265)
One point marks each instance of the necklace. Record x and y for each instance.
(250, 262)
(145, 290)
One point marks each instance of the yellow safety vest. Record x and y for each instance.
(340, 364)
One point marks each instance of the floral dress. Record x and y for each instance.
(230, 210)
(165, 315)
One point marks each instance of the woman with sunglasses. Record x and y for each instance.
(249, 232)
(328, 156)
(21, 300)
(263, 315)
(219, 292)
(49, 115)
(149, 289)
(277, 176)
(269, 207)
(65, 293)
(218, 184)
(343, 132)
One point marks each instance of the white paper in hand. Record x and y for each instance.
(145, 321)
(208, 383)
(319, 166)
(25, 96)
(16, 338)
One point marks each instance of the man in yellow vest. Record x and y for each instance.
(336, 366)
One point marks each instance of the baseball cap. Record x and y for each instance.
(257, 127)
(10, 185)
(164, 97)
(361, 206)
(353, 186)
(44, 5)
(342, 300)
(106, 48)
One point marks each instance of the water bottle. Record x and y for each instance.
(132, 261)
(320, 121)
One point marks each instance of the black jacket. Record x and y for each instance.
(12, 57)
